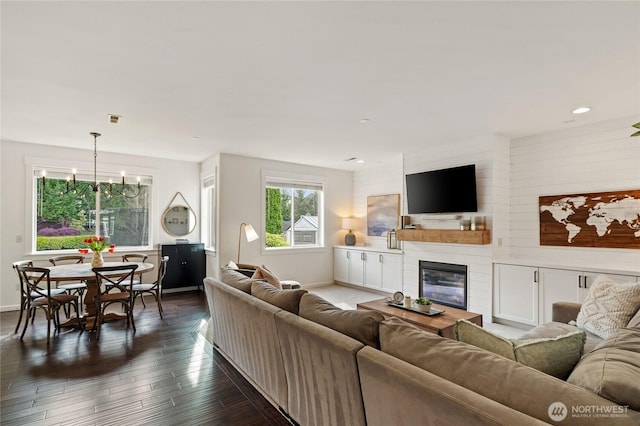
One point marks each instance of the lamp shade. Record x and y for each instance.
(349, 223)
(250, 233)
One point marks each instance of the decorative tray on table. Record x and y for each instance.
(433, 311)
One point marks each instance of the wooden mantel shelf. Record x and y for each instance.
(451, 236)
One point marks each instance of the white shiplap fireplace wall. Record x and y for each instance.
(511, 177)
(490, 154)
(594, 158)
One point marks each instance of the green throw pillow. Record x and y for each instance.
(556, 356)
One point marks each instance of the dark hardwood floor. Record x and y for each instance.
(165, 374)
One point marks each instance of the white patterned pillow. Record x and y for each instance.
(608, 306)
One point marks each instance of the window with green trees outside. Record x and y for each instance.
(63, 218)
(293, 214)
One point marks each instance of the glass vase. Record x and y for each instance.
(97, 260)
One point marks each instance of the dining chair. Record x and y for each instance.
(154, 288)
(74, 287)
(38, 285)
(25, 297)
(135, 257)
(118, 281)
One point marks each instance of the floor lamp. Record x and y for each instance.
(249, 233)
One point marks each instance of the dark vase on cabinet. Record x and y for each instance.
(186, 267)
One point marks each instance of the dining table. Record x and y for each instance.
(84, 272)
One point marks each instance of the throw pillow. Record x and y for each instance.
(556, 356)
(289, 300)
(612, 369)
(236, 280)
(361, 325)
(477, 336)
(232, 265)
(608, 306)
(262, 273)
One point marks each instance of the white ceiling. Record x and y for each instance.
(291, 80)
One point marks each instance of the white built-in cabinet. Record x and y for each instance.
(526, 294)
(515, 293)
(377, 269)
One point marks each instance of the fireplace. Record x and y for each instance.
(443, 283)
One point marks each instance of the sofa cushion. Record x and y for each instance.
(507, 382)
(612, 369)
(361, 325)
(236, 280)
(263, 273)
(554, 355)
(289, 300)
(608, 306)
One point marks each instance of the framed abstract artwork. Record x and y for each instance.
(382, 214)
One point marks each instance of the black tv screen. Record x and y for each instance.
(450, 190)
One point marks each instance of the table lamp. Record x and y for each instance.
(349, 223)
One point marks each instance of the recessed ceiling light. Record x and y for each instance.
(581, 110)
(359, 161)
(365, 121)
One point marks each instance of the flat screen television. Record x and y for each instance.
(450, 190)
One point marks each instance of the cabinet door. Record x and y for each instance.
(173, 277)
(391, 272)
(356, 267)
(372, 269)
(194, 267)
(516, 293)
(558, 285)
(341, 265)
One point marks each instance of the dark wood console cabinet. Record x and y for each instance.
(186, 267)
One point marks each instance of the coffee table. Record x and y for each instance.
(441, 324)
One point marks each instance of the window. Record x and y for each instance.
(64, 216)
(208, 213)
(293, 213)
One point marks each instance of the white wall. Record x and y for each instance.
(594, 158)
(240, 200)
(171, 176)
(382, 179)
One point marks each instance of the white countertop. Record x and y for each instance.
(370, 248)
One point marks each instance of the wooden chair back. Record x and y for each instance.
(134, 257)
(70, 258)
(36, 281)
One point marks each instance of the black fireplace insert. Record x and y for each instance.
(443, 283)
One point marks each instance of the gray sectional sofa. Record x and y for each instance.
(323, 366)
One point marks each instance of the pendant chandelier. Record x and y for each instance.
(108, 188)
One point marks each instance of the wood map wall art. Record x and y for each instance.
(600, 219)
